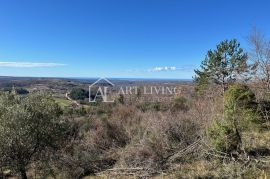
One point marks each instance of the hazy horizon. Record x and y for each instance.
(94, 78)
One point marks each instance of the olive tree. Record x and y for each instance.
(30, 126)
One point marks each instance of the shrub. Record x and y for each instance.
(239, 96)
(239, 114)
(153, 106)
(180, 103)
(161, 135)
(30, 126)
(20, 91)
(121, 99)
(264, 111)
(224, 137)
(78, 94)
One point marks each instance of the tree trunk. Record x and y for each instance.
(239, 140)
(238, 135)
(23, 173)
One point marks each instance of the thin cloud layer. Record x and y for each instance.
(172, 68)
(29, 64)
(157, 69)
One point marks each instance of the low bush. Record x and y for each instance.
(240, 114)
(78, 94)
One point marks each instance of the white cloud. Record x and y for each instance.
(172, 68)
(158, 69)
(29, 64)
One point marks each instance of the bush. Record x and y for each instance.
(224, 137)
(78, 94)
(239, 96)
(153, 106)
(20, 91)
(264, 111)
(121, 99)
(239, 115)
(93, 149)
(180, 103)
(160, 136)
(30, 129)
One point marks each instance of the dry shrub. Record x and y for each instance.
(93, 148)
(162, 135)
(129, 137)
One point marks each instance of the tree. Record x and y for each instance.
(240, 115)
(222, 66)
(30, 126)
(260, 56)
(78, 94)
(20, 91)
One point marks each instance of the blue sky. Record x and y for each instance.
(120, 38)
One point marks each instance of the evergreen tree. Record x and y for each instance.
(222, 66)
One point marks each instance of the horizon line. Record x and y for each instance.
(84, 78)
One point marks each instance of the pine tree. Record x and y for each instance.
(222, 66)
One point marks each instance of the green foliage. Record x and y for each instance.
(239, 115)
(201, 81)
(221, 66)
(20, 91)
(30, 126)
(121, 99)
(78, 94)
(241, 107)
(224, 137)
(239, 96)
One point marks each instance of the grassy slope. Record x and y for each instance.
(63, 102)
